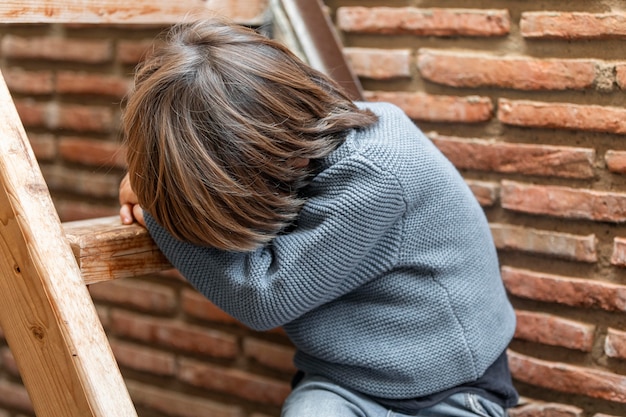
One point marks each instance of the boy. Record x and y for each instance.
(286, 204)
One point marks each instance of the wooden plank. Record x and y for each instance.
(153, 12)
(46, 313)
(106, 249)
(308, 31)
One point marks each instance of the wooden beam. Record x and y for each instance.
(105, 249)
(46, 312)
(306, 28)
(153, 12)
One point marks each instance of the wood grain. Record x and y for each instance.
(153, 12)
(46, 312)
(106, 249)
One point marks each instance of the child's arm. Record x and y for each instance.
(348, 233)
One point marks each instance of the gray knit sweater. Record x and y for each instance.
(388, 285)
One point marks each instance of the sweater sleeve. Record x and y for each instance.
(348, 233)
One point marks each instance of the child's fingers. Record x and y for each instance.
(138, 214)
(126, 213)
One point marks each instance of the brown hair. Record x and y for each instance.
(216, 118)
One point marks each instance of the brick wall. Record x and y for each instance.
(525, 98)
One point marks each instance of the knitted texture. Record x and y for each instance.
(388, 285)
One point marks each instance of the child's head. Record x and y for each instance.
(217, 123)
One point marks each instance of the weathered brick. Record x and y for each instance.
(140, 358)
(29, 82)
(197, 305)
(486, 192)
(527, 159)
(620, 76)
(8, 362)
(562, 116)
(618, 256)
(43, 145)
(95, 184)
(70, 82)
(577, 25)
(424, 22)
(544, 242)
(92, 152)
(470, 69)
(379, 64)
(65, 116)
(615, 344)
(83, 118)
(70, 210)
(32, 113)
(616, 161)
(552, 330)
(269, 354)
(174, 335)
(15, 396)
(177, 404)
(144, 296)
(568, 378)
(57, 49)
(542, 409)
(437, 108)
(576, 292)
(564, 202)
(235, 382)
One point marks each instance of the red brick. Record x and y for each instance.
(83, 118)
(568, 378)
(29, 82)
(517, 158)
(68, 82)
(576, 292)
(174, 404)
(57, 49)
(32, 113)
(70, 210)
(92, 152)
(272, 355)
(15, 396)
(437, 108)
(555, 331)
(562, 116)
(564, 202)
(562, 25)
(424, 22)
(618, 256)
(615, 344)
(8, 362)
(197, 305)
(467, 69)
(142, 359)
(43, 145)
(542, 409)
(132, 52)
(616, 161)
(379, 64)
(235, 382)
(140, 295)
(620, 76)
(60, 178)
(486, 192)
(543, 242)
(175, 335)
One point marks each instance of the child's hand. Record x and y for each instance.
(130, 209)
